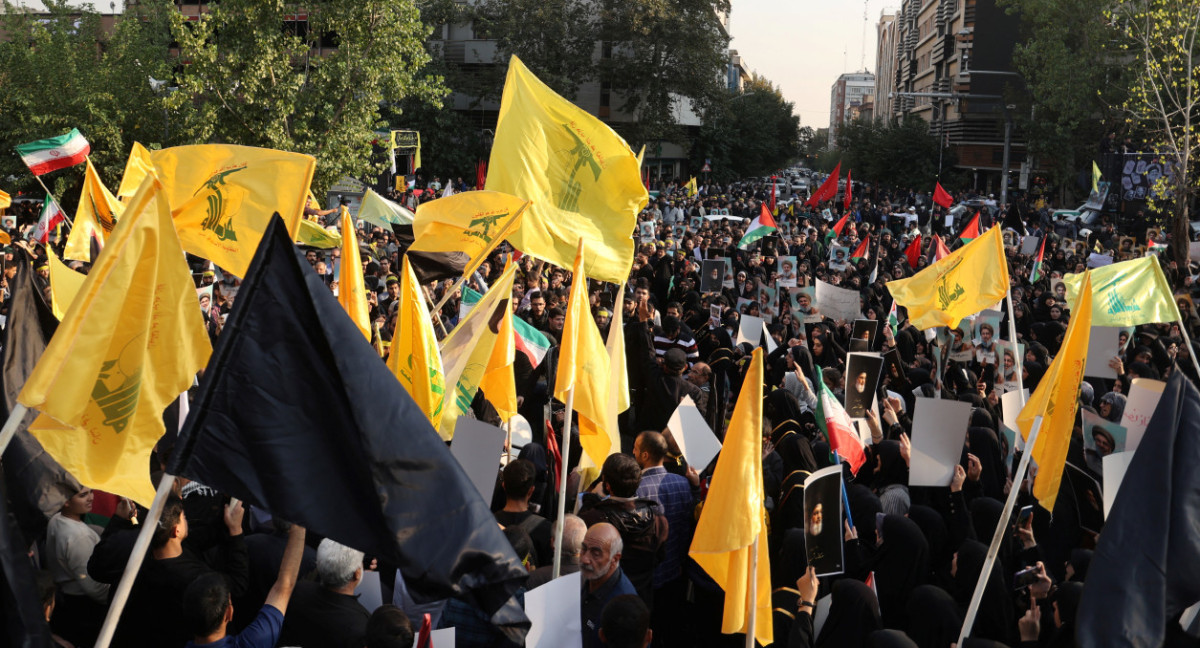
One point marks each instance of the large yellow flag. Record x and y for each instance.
(1056, 399)
(352, 288)
(499, 384)
(583, 365)
(734, 516)
(65, 284)
(95, 218)
(1127, 293)
(970, 279)
(467, 349)
(471, 222)
(581, 176)
(137, 167)
(5, 200)
(618, 379)
(129, 344)
(223, 196)
(415, 359)
(312, 234)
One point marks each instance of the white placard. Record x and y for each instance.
(695, 439)
(1011, 404)
(1029, 245)
(369, 592)
(1139, 407)
(477, 446)
(1115, 466)
(838, 303)
(771, 345)
(821, 613)
(443, 638)
(1103, 346)
(939, 430)
(750, 330)
(553, 611)
(1099, 260)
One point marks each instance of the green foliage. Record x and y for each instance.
(247, 80)
(557, 38)
(898, 154)
(751, 134)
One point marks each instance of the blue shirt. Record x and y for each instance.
(592, 604)
(263, 632)
(674, 495)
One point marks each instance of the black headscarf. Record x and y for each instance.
(937, 534)
(1080, 560)
(863, 506)
(933, 619)
(889, 639)
(996, 619)
(853, 614)
(986, 446)
(901, 564)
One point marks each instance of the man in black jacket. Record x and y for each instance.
(663, 385)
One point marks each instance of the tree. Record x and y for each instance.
(253, 77)
(900, 153)
(750, 134)
(1074, 83)
(1164, 98)
(557, 38)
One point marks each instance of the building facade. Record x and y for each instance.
(885, 63)
(850, 93)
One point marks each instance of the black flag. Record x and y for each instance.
(1147, 565)
(430, 266)
(38, 484)
(297, 415)
(23, 621)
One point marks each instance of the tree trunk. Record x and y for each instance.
(1181, 234)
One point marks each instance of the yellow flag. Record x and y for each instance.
(137, 167)
(415, 359)
(352, 288)
(1056, 399)
(129, 344)
(311, 233)
(95, 218)
(65, 284)
(734, 516)
(581, 176)
(1095, 177)
(692, 190)
(970, 279)
(471, 222)
(468, 348)
(5, 200)
(223, 196)
(583, 365)
(618, 379)
(1127, 293)
(499, 385)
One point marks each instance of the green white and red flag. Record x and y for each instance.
(44, 156)
(838, 428)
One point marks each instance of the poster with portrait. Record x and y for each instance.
(986, 325)
(695, 223)
(727, 280)
(767, 299)
(839, 258)
(804, 302)
(863, 371)
(823, 521)
(961, 349)
(1101, 438)
(677, 232)
(894, 375)
(1088, 495)
(1058, 288)
(862, 336)
(787, 272)
(1007, 357)
(712, 275)
(205, 296)
(646, 231)
(1125, 245)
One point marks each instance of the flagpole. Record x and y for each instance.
(564, 449)
(753, 593)
(10, 426)
(1001, 528)
(55, 201)
(437, 310)
(1017, 359)
(1182, 329)
(445, 298)
(508, 425)
(145, 534)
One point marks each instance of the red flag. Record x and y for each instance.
(772, 194)
(828, 189)
(849, 187)
(555, 455)
(940, 250)
(941, 197)
(971, 231)
(480, 175)
(913, 252)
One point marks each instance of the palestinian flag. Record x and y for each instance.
(52, 217)
(837, 228)
(1035, 274)
(1156, 248)
(893, 320)
(530, 341)
(762, 226)
(971, 231)
(940, 251)
(44, 156)
(862, 251)
(913, 252)
(839, 430)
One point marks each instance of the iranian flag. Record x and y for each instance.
(52, 215)
(1035, 274)
(971, 231)
(862, 251)
(44, 156)
(762, 226)
(838, 428)
(530, 341)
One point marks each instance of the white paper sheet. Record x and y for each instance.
(838, 303)
(477, 447)
(939, 428)
(1103, 346)
(369, 592)
(553, 611)
(750, 330)
(1115, 466)
(1139, 407)
(695, 439)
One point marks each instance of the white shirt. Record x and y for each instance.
(69, 545)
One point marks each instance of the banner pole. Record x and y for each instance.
(1186, 338)
(1012, 337)
(446, 297)
(564, 450)
(998, 536)
(10, 426)
(145, 534)
(435, 311)
(752, 595)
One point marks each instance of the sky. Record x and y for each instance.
(802, 46)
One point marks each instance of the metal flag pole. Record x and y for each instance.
(564, 449)
(752, 595)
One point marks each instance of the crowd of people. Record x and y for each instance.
(218, 574)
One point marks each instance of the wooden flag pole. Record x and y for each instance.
(54, 200)
(1001, 529)
(436, 312)
(1012, 337)
(564, 449)
(446, 297)
(10, 426)
(135, 561)
(752, 595)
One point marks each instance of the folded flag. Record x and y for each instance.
(44, 156)
(472, 222)
(940, 251)
(763, 225)
(352, 287)
(311, 233)
(971, 231)
(828, 189)
(413, 357)
(297, 416)
(137, 167)
(913, 252)
(65, 284)
(5, 200)
(862, 251)
(849, 192)
(377, 210)
(94, 219)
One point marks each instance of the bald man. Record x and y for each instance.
(600, 566)
(573, 534)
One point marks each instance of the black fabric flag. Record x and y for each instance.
(1014, 220)
(1147, 565)
(38, 484)
(297, 415)
(430, 266)
(23, 622)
